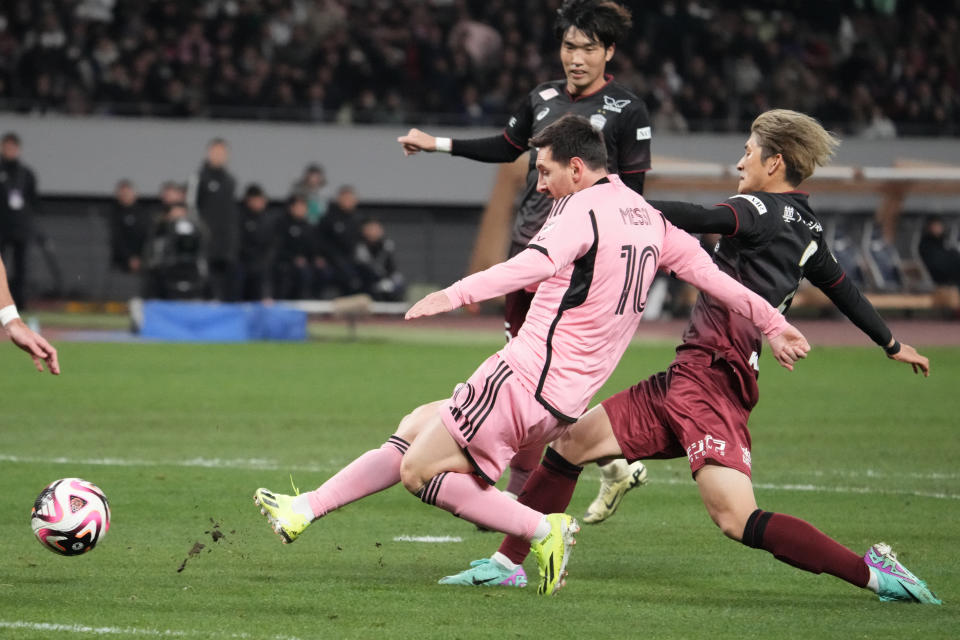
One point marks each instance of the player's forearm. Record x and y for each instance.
(493, 149)
(694, 218)
(853, 304)
(525, 268)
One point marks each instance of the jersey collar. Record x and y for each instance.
(608, 79)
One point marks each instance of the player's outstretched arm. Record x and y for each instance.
(431, 305)
(33, 343)
(909, 355)
(788, 346)
(416, 141)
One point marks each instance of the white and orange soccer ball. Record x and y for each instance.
(70, 516)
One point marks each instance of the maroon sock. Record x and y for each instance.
(548, 490)
(522, 465)
(802, 545)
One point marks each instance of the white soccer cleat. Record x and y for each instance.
(618, 477)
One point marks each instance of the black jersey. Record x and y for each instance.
(777, 242)
(618, 113)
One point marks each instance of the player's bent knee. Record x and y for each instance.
(412, 476)
(729, 522)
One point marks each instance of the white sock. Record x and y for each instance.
(301, 505)
(542, 530)
(504, 561)
(873, 583)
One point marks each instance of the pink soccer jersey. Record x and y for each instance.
(595, 259)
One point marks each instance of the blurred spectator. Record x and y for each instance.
(375, 261)
(18, 207)
(172, 192)
(294, 252)
(211, 194)
(129, 226)
(312, 186)
(338, 234)
(174, 260)
(256, 239)
(942, 262)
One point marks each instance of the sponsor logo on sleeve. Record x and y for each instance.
(547, 94)
(643, 133)
(512, 122)
(755, 201)
(543, 113)
(789, 214)
(597, 121)
(612, 104)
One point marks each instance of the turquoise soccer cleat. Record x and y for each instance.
(486, 572)
(896, 582)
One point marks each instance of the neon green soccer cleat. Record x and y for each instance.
(286, 522)
(625, 477)
(553, 552)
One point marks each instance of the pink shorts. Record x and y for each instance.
(692, 409)
(493, 414)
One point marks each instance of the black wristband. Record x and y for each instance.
(893, 349)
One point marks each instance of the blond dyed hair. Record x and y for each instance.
(801, 140)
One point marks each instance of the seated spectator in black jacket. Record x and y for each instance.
(256, 240)
(338, 233)
(942, 262)
(129, 226)
(175, 265)
(375, 260)
(294, 252)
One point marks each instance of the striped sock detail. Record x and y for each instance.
(477, 412)
(428, 493)
(398, 443)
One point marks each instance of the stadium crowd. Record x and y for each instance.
(876, 69)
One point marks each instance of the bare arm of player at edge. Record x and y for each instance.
(758, 174)
(20, 334)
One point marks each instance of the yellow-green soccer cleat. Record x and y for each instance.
(612, 489)
(286, 522)
(553, 552)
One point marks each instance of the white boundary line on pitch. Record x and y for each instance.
(427, 539)
(264, 464)
(127, 631)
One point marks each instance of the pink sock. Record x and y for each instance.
(374, 471)
(469, 497)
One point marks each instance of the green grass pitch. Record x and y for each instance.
(179, 436)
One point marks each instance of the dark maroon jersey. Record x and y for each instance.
(618, 113)
(778, 241)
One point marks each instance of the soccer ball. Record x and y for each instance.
(70, 516)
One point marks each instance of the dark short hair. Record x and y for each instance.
(572, 136)
(605, 21)
(11, 136)
(216, 142)
(296, 197)
(253, 191)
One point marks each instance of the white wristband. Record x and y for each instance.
(444, 145)
(8, 314)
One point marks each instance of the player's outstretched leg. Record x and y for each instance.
(893, 580)
(286, 521)
(553, 552)
(616, 478)
(374, 471)
(488, 572)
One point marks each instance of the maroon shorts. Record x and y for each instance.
(692, 409)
